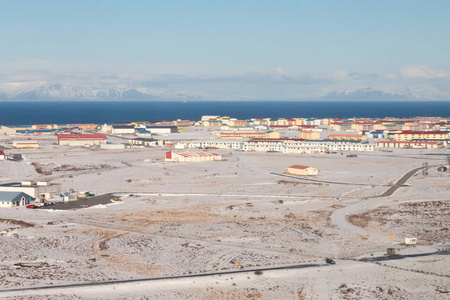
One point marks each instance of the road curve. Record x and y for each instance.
(399, 183)
(339, 217)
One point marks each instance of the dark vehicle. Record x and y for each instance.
(330, 261)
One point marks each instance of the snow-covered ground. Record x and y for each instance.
(192, 218)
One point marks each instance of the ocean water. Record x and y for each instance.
(64, 112)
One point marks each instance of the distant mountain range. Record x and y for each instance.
(364, 94)
(47, 92)
(68, 91)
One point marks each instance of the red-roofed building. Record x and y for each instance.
(2, 155)
(191, 156)
(81, 139)
(302, 170)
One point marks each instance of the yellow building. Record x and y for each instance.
(237, 123)
(420, 135)
(85, 126)
(44, 126)
(208, 123)
(302, 170)
(25, 144)
(348, 137)
(309, 135)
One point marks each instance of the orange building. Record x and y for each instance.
(348, 137)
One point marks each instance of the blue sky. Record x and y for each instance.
(286, 48)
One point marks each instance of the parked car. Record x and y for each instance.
(31, 206)
(330, 261)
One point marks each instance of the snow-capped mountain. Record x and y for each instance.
(67, 91)
(364, 94)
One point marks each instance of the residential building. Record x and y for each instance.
(410, 144)
(309, 135)
(249, 135)
(422, 135)
(85, 126)
(348, 137)
(237, 123)
(147, 142)
(209, 123)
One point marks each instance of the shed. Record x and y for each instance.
(302, 170)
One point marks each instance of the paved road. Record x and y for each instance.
(326, 181)
(100, 283)
(399, 183)
(399, 256)
(338, 217)
(96, 200)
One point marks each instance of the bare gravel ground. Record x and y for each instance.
(181, 219)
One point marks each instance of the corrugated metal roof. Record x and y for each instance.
(13, 196)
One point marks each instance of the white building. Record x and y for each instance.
(40, 189)
(219, 144)
(2, 155)
(112, 146)
(192, 156)
(122, 129)
(305, 146)
(263, 145)
(147, 142)
(206, 118)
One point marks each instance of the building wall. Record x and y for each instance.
(402, 144)
(191, 157)
(24, 144)
(74, 142)
(349, 137)
(309, 135)
(159, 130)
(35, 191)
(420, 136)
(123, 130)
(303, 172)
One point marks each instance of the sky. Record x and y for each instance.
(231, 49)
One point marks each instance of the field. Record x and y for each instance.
(182, 220)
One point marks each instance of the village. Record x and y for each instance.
(271, 198)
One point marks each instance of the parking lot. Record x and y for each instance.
(76, 204)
